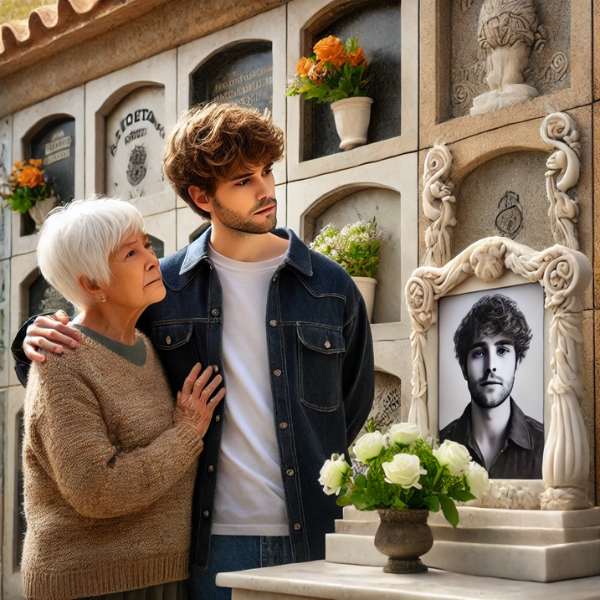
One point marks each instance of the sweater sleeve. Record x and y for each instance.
(91, 474)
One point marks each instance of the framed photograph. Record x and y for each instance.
(491, 377)
(496, 353)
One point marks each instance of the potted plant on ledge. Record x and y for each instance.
(337, 73)
(29, 192)
(407, 477)
(356, 248)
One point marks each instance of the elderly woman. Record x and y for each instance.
(109, 464)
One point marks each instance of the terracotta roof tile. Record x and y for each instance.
(60, 25)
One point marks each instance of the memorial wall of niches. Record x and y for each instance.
(481, 125)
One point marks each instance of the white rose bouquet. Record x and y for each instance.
(405, 471)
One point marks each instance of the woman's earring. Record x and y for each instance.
(103, 298)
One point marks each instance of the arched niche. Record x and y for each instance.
(53, 140)
(42, 297)
(348, 205)
(241, 74)
(134, 138)
(378, 26)
(505, 196)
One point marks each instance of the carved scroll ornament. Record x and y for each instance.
(560, 131)
(564, 274)
(438, 205)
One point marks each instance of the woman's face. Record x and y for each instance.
(136, 279)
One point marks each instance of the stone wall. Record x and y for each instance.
(123, 87)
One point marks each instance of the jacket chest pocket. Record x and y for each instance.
(320, 359)
(177, 350)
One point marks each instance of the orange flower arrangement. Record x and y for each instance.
(27, 185)
(336, 71)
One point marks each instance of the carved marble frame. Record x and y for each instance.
(565, 275)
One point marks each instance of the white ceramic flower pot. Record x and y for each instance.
(40, 209)
(352, 116)
(366, 286)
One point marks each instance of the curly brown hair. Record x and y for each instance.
(211, 143)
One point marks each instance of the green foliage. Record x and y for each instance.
(355, 247)
(23, 198)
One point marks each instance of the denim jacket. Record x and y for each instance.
(320, 363)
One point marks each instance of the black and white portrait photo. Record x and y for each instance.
(491, 378)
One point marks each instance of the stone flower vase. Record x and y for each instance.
(366, 286)
(352, 116)
(40, 209)
(404, 536)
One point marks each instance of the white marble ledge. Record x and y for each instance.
(328, 581)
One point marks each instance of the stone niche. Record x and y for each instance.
(505, 196)
(241, 74)
(135, 138)
(158, 246)
(348, 206)
(54, 143)
(547, 68)
(378, 27)
(43, 298)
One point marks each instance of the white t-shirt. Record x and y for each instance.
(249, 497)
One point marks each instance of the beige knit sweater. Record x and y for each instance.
(108, 477)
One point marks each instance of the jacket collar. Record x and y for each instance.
(297, 255)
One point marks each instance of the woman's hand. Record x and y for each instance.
(195, 406)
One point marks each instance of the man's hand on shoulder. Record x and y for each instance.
(49, 333)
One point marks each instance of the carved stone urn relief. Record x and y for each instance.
(508, 29)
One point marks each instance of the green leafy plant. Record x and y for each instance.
(405, 471)
(336, 71)
(27, 186)
(355, 247)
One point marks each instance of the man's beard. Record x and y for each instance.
(244, 224)
(497, 396)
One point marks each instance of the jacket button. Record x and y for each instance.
(277, 373)
(327, 344)
(290, 472)
(274, 277)
(211, 469)
(215, 312)
(283, 425)
(297, 526)
(168, 340)
(218, 418)
(273, 323)
(206, 514)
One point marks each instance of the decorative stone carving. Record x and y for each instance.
(438, 205)
(508, 30)
(560, 131)
(564, 274)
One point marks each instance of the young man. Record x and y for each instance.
(289, 331)
(490, 343)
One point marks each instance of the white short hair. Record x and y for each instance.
(79, 238)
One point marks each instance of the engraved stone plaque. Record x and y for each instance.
(43, 298)
(135, 138)
(242, 74)
(55, 145)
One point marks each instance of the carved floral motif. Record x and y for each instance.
(565, 274)
(438, 205)
(560, 131)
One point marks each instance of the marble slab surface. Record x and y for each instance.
(323, 580)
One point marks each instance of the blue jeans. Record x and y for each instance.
(236, 553)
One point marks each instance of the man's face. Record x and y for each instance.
(247, 203)
(491, 366)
